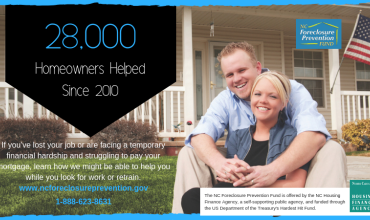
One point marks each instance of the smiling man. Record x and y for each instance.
(231, 110)
(240, 70)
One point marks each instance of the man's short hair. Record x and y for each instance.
(244, 46)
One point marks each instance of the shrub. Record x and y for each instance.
(126, 132)
(32, 130)
(353, 131)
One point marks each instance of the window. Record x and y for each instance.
(198, 80)
(308, 70)
(363, 80)
(11, 95)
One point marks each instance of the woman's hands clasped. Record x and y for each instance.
(235, 171)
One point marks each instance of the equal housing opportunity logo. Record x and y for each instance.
(318, 33)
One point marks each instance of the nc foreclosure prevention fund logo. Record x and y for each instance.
(359, 195)
(318, 33)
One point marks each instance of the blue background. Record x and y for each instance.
(181, 217)
(179, 3)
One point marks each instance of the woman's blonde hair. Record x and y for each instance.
(280, 82)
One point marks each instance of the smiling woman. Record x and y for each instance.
(269, 97)
(262, 143)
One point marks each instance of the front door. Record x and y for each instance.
(217, 79)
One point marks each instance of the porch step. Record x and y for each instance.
(333, 134)
(83, 148)
(182, 143)
(167, 139)
(179, 143)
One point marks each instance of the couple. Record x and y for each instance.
(232, 110)
(260, 144)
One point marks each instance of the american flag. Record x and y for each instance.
(358, 47)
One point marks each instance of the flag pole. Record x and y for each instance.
(331, 90)
(354, 28)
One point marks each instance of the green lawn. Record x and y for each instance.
(359, 153)
(156, 200)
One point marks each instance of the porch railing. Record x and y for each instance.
(19, 105)
(9, 107)
(165, 110)
(169, 114)
(355, 105)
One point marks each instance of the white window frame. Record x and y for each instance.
(204, 78)
(359, 80)
(356, 79)
(325, 107)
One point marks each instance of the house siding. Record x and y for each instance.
(327, 111)
(2, 54)
(347, 78)
(271, 41)
(289, 45)
(2, 48)
(348, 83)
(178, 55)
(271, 53)
(347, 71)
(271, 49)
